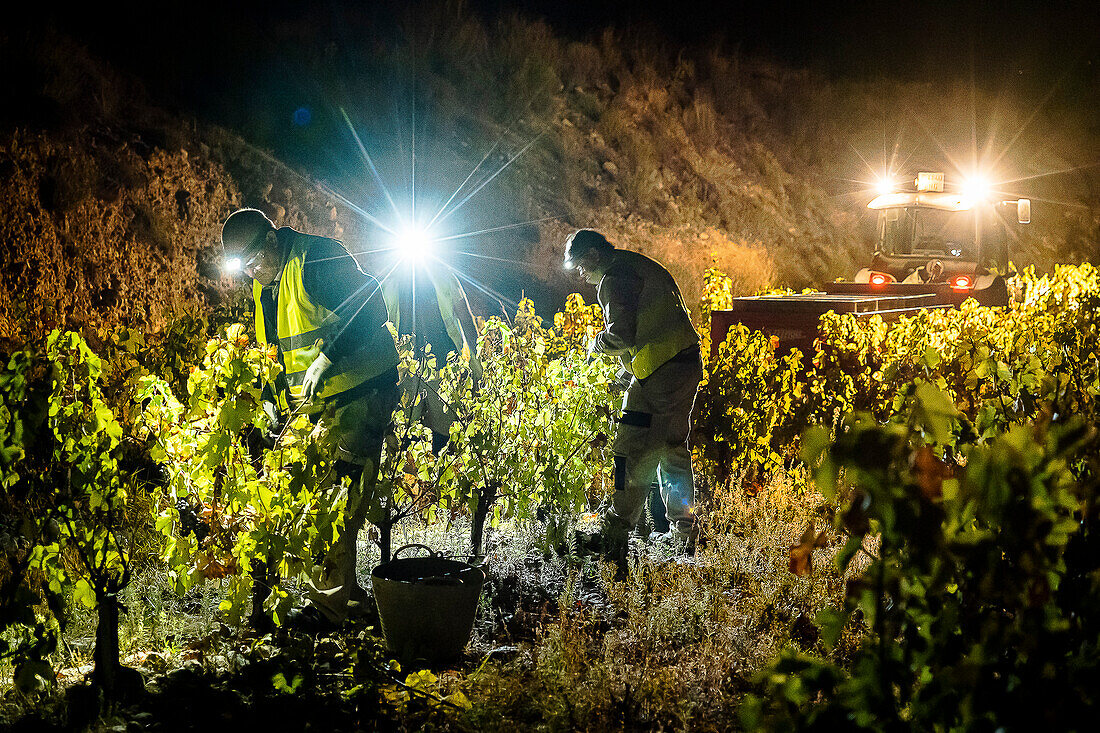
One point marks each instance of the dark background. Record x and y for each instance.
(994, 39)
(214, 59)
(278, 72)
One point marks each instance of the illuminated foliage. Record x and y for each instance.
(234, 509)
(60, 446)
(529, 440)
(998, 366)
(979, 601)
(746, 400)
(956, 450)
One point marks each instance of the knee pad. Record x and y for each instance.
(620, 473)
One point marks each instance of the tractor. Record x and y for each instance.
(933, 249)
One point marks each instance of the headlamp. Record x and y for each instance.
(236, 263)
(415, 244)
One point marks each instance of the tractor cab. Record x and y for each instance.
(929, 239)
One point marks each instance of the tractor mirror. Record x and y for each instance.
(1023, 211)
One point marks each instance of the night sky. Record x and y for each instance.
(907, 40)
(203, 52)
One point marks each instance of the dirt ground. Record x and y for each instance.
(559, 642)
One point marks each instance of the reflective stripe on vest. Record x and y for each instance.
(261, 337)
(303, 328)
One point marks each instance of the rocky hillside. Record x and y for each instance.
(110, 206)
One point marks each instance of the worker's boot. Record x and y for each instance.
(678, 541)
(360, 602)
(614, 540)
(610, 543)
(310, 620)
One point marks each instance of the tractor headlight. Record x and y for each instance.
(977, 188)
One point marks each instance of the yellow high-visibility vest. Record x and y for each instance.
(304, 327)
(449, 295)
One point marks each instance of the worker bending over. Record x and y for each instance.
(327, 318)
(429, 304)
(647, 326)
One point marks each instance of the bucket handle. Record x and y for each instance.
(431, 552)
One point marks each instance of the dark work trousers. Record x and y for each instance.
(651, 443)
(359, 424)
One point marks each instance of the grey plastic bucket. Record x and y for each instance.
(426, 604)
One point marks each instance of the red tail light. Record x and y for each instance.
(962, 282)
(880, 278)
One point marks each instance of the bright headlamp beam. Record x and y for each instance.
(487, 181)
(232, 265)
(463, 184)
(369, 160)
(501, 228)
(415, 244)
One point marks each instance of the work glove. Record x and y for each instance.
(275, 423)
(592, 350)
(311, 385)
(621, 381)
(271, 412)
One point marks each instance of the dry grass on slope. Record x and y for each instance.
(110, 209)
(634, 136)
